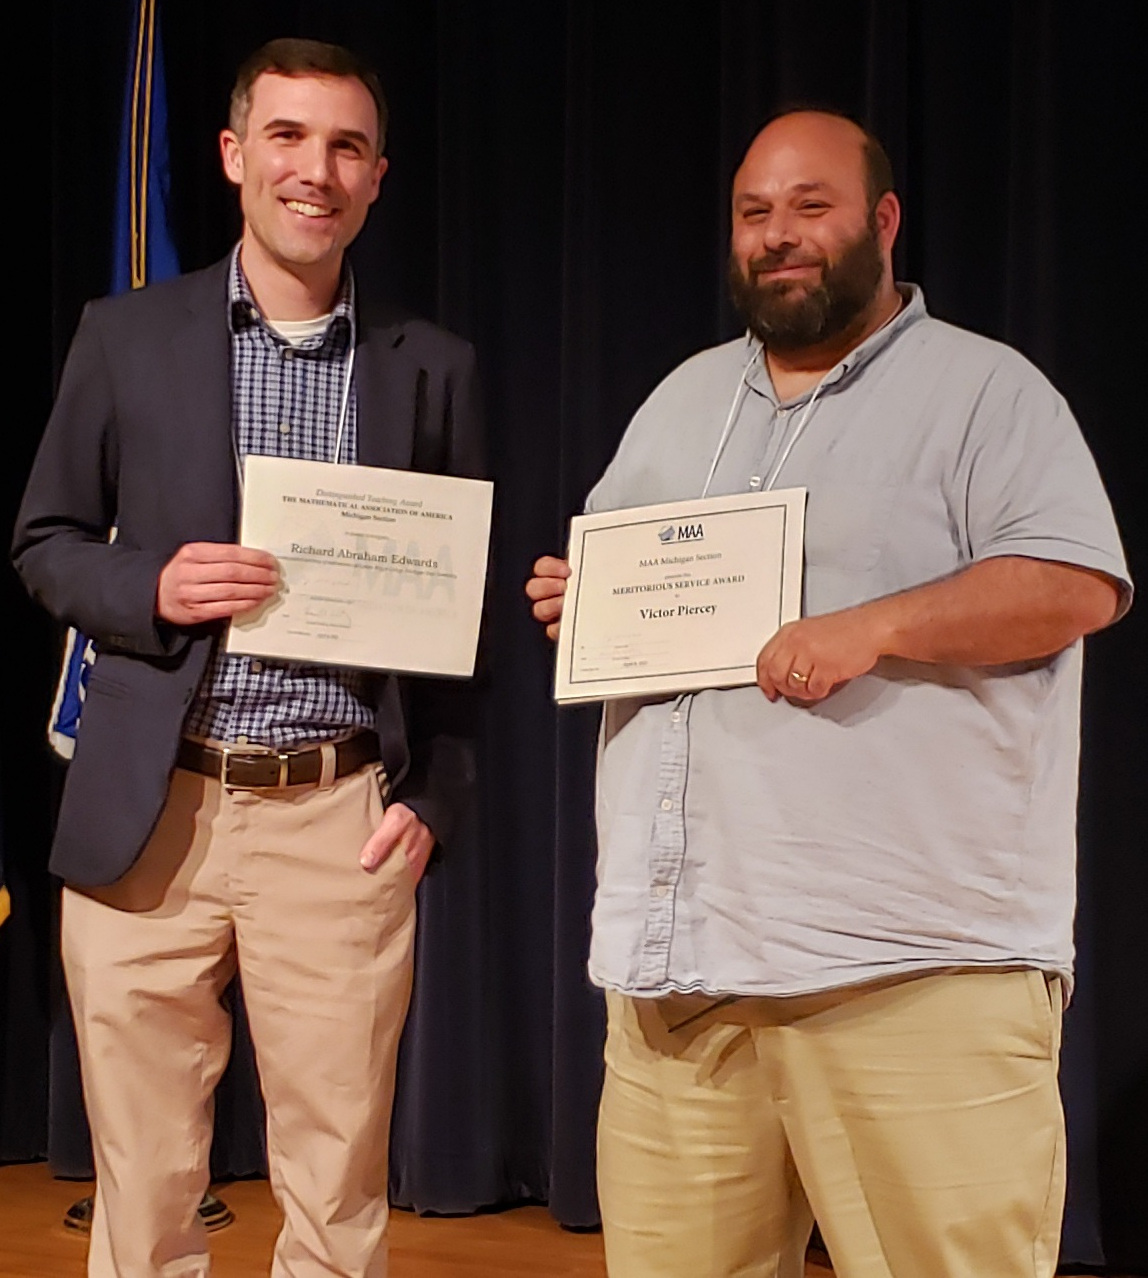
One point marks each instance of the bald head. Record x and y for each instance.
(843, 143)
(814, 222)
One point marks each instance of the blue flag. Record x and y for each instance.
(5, 902)
(142, 253)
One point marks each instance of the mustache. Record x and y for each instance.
(780, 260)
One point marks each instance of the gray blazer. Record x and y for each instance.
(140, 439)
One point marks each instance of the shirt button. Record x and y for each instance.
(676, 717)
(253, 312)
(288, 353)
(755, 481)
(284, 428)
(662, 889)
(257, 667)
(667, 805)
(241, 739)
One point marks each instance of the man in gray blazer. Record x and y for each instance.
(221, 811)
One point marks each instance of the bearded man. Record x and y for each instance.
(834, 910)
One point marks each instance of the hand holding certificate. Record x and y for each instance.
(380, 568)
(679, 596)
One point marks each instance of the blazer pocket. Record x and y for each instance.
(101, 685)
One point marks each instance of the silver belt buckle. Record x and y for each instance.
(283, 761)
(224, 780)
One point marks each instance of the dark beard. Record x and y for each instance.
(788, 317)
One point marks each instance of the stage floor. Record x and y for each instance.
(522, 1241)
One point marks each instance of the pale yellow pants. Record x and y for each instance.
(268, 881)
(919, 1121)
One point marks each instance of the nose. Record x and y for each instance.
(316, 162)
(779, 230)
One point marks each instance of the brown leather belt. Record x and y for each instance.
(240, 769)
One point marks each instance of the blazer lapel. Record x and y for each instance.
(387, 387)
(200, 391)
(386, 397)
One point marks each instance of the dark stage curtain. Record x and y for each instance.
(558, 194)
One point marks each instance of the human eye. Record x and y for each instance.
(350, 147)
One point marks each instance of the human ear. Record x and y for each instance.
(887, 216)
(231, 151)
(380, 169)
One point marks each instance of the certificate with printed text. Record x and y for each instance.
(679, 596)
(384, 569)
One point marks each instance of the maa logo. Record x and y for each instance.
(681, 532)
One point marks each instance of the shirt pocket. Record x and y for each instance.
(847, 524)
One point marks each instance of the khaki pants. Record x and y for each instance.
(919, 1121)
(268, 881)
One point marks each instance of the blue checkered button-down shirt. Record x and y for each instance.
(285, 402)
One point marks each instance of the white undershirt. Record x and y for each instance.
(296, 332)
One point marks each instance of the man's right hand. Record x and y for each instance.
(206, 580)
(546, 589)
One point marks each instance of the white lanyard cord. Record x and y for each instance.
(731, 417)
(345, 402)
(735, 410)
(773, 474)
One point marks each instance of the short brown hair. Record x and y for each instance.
(290, 56)
(878, 169)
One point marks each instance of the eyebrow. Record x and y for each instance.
(354, 135)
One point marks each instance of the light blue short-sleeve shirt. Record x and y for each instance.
(921, 816)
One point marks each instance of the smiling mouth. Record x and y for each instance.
(791, 269)
(308, 210)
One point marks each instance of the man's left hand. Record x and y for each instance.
(807, 659)
(400, 833)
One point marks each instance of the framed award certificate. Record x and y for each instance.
(379, 568)
(679, 596)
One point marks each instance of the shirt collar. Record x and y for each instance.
(913, 310)
(243, 313)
